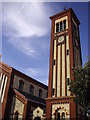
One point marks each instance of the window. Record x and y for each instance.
(67, 52)
(21, 85)
(61, 26)
(57, 27)
(53, 62)
(53, 91)
(68, 81)
(57, 116)
(64, 24)
(63, 116)
(16, 115)
(31, 89)
(40, 93)
(65, 38)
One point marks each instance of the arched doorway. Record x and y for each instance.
(37, 118)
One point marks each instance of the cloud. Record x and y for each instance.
(23, 46)
(39, 73)
(25, 20)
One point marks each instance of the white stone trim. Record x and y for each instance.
(2, 86)
(4, 89)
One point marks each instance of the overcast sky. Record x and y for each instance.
(26, 29)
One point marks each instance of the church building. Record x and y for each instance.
(22, 97)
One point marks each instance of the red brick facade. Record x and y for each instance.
(25, 98)
(54, 36)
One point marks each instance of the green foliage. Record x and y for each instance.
(80, 87)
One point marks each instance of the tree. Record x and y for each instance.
(80, 87)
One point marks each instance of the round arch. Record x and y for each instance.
(60, 115)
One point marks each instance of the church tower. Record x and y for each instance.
(65, 54)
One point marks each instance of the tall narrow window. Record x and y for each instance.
(31, 89)
(53, 91)
(57, 116)
(64, 24)
(61, 26)
(65, 38)
(21, 85)
(63, 116)
(67, 52)
(68, 81)
(57, 27)
(54, 62)
(16, 115)
(40, 93)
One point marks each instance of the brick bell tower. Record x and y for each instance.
(65, 54)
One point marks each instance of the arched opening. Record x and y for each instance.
(57, 116)
(63, 116)
(31, 89)
(21, 85)
(16, 115)
(37, 118)
(40, 93)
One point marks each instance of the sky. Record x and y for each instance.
(26, 32)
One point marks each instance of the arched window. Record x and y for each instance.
(63, 116)
(16, 115)
(21, 85)
(68, 81)
(31, 89)
(57, 27)
(40, 93)
(57, 116)
(64, 24)
(67, 51)
(61, 26)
